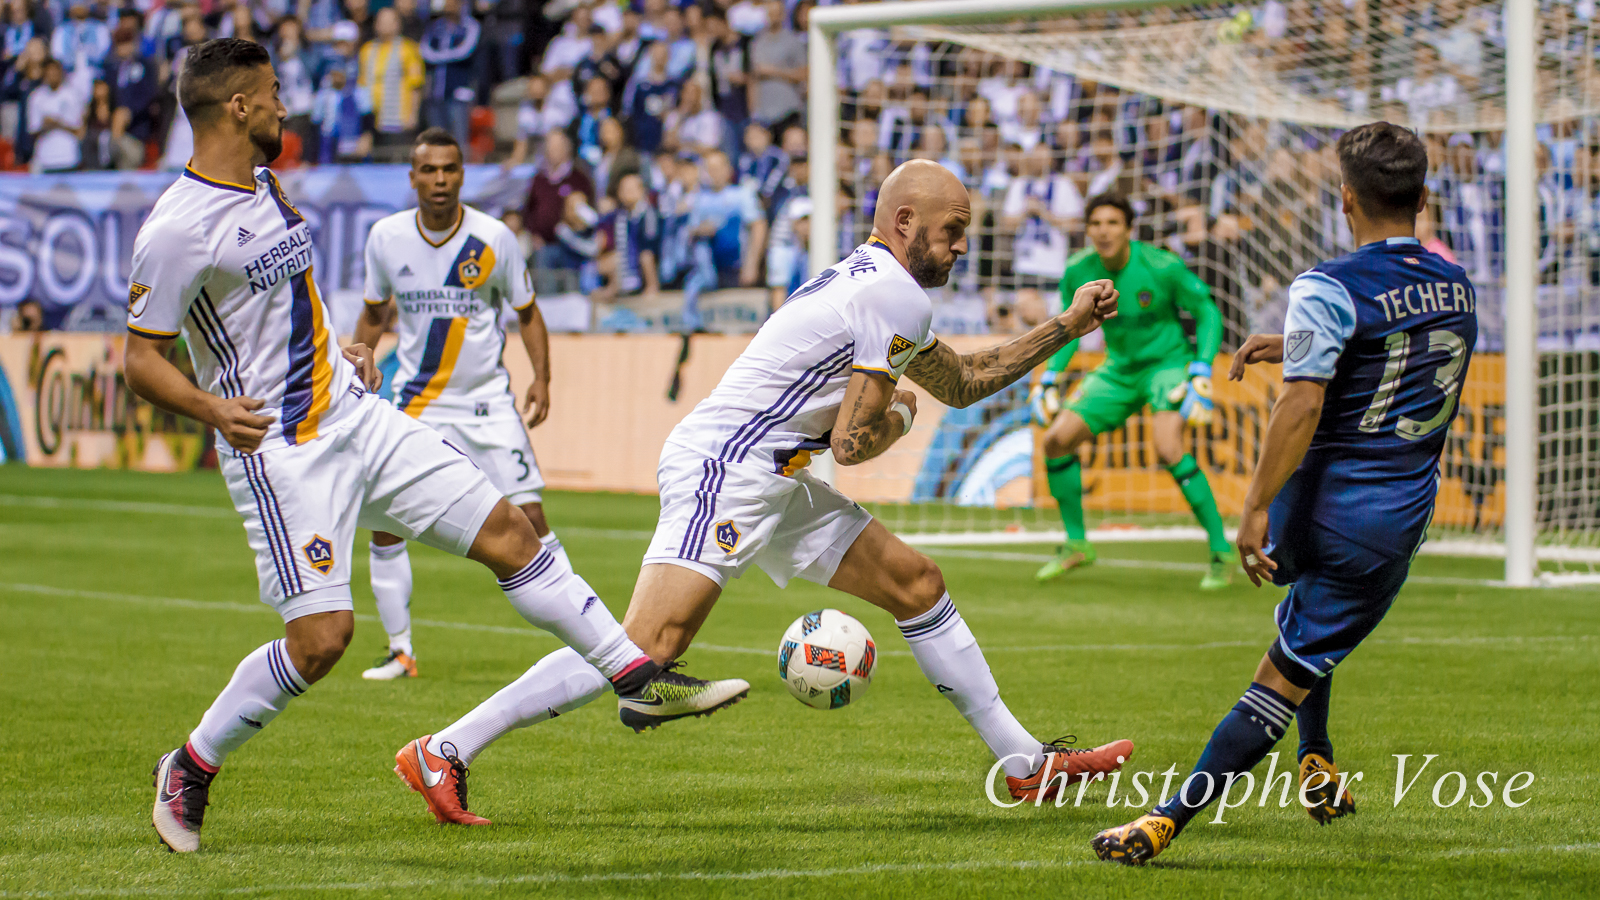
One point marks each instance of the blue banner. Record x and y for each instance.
(67, 240)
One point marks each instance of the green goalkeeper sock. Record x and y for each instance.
(1197, 491)
(1065, 477)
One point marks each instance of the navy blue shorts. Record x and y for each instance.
(1339, 592)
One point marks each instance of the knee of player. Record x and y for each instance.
(1056, 444)
(1170, 456)
(507, 541)
(919, 587)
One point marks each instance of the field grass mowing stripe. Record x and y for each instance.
(646, 877)
(1483, 640)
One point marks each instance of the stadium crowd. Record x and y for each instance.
(669, 137)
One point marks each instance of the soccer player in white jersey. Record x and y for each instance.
(307, 452)
(451, 270)
(822, 374)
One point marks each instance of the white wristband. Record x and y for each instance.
(905, 415)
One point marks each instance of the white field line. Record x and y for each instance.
(687, 877)
(1503, 641)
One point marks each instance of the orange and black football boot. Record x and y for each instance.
(441, 780)
(1329, 800)
(1065, 766)
(1135, 843)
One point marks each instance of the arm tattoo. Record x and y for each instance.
(961, 380)
(866, 435)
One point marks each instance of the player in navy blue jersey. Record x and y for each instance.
(1376, 347)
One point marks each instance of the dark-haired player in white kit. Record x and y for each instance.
(450, 271)
(821, 374)
(307, 452)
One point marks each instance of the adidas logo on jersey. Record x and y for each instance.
(405, 271)
(245, 237)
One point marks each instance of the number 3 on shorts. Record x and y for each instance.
(522, 460)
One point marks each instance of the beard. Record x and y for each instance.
(925, 270)
(269, 145)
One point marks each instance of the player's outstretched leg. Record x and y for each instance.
(882, 570)
(1242, 739)
(390, 567)
(262, 685)
(1319, 777)
(668, 606)
(1064, 474)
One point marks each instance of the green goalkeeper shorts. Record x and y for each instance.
(1110, 395)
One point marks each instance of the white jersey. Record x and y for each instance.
(229, 266)
(449, 296)
(777, 403)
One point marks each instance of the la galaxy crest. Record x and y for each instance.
(473, 265)
(319, 553)
(900, 351)
(727, 536)
(1296, 345)
(137, 294)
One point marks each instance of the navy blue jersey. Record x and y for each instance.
(647, 104)
(1389, 329)
(634, 232)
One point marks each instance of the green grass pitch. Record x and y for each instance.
(122, 621)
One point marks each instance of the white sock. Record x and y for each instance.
(391, 587)
(949, 657)
(553, 544)
(260, 688)
(559, 683)
(560, 602)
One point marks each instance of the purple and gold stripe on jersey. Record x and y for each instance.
(189, 172)
(306, 394)
(439, 357)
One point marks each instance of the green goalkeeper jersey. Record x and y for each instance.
(1146, 331)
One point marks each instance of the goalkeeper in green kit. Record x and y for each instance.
(1149, 361)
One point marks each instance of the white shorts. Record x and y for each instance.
(376, 468)
(500, 448)
(718, 517)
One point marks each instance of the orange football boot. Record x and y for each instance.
(1329, 800)
(1078, 765)
(442, 781)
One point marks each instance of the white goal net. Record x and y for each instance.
(1218, 121)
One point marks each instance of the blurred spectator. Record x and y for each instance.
(729, 230)
(650, 95)
(448, 47)
(599, 63)
(730, 70)
(934, 146)
(296, 66)
(788, 252)
(392, 73)
(682, 53)
(617, 159)
(577, 244)
(562, 56)
(342, 112)
(557, 179)
(504, 25)
(55, 119)
(795, 183)
(29, 317)
(596, 109)
(359, 14)
(1041, 208)
(414, 24)
(98, 151)
(634, 227)
(1025, 130)
(16, 86)
(82, 41)
(535, 118)
(342, 53)
(751, 17)
(761, 165)
(693, 127)
(675, 202)
(134, 94)
(19, 30)
(778, 71)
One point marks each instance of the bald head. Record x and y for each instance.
(922, 216)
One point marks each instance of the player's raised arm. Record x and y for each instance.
(961, 380)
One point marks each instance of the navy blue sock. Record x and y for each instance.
(1242, 739)
(1312, 717)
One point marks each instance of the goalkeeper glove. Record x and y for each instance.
(1045, 400)
(1194, 395)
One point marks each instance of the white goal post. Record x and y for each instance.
(1517, 111)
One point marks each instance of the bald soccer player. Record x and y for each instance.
(821, 374)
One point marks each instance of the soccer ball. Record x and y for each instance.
(826, 659)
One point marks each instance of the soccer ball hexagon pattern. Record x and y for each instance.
(826, 659)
